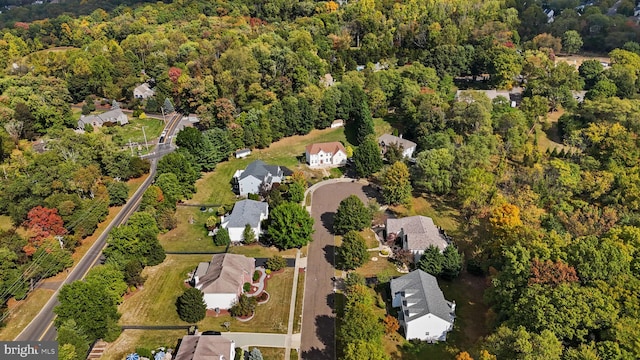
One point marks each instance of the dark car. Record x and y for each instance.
(211, 333)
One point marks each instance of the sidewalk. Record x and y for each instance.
(289, 342)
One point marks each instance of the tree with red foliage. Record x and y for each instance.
(42, 223)
(174, 74)
(391, 324)
(551, 273)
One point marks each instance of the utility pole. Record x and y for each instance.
(131, 146)
(163, 118)
(145, 139)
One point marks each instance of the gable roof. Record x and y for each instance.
(246, 212)
(144, 90)
(327, 147)
(194, 347)
(115, 115)
(388, 139)
(419, 230)
(423, 296)
(224, 274)
(259, 169)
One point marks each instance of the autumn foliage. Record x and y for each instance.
(463, 356)
(551, 273)
(391, 324)
(42, 223)
(505, 217)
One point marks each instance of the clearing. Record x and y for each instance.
(577, 60)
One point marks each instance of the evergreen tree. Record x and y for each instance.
(367, 157)
(255, 354)
(222, 237)
(451, 262)
(248, 235)
(191, 306)
(431, 261)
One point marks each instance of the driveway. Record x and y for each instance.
(319, 322)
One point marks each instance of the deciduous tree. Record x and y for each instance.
(352, 253)
(290, 225)
(396, 188)
(352, 214)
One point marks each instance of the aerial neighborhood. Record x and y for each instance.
(352, 180)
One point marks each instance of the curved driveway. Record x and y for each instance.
(318, 340)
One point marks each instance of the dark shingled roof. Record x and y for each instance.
(423, 296)
(259, 169)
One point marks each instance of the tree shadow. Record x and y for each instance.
(326, 333)
(327, 220)
(373, 193)
(330, 254)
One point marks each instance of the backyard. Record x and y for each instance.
(130, 340)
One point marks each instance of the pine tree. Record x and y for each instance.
(191, 306)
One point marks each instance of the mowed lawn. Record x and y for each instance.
(215, 187)
(190, 235)
(129, 340)
(154, 304)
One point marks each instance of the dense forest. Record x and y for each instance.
(557, 233)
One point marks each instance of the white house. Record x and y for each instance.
(417, 233)
(143, 91)
(111, 116)
(245, 212)
(191, 118)
(408, 147)
(326, 154)
(196, 347)
(221, 280)
(424, 313)
(256, 177)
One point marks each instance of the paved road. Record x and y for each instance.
(319, 325)
(41, 327)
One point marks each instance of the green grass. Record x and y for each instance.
(154, 304)
(259, 251)
(129, 340)
(189, 237)
(215, 188)
(294, 354)
(271, 317)
(271, 353)
(444, 214)
(370, 238)
(381, 266)
(299, 298)
(133, 131)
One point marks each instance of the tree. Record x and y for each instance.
(191, 306)
(352, 253)
(367, 158)
(360, 323)
(296, 192)
(245, 306)
(433, 171)
(396, 188)
(571, 42)
(222, 237)
(91, 307)
(519, 344)
(364, 350)
(352, 214)
(111, 278)
(391, 324)
(463, 356)
(168, 106)
(290, 225)
(451, 262)
(69, 335)
(248, 235)
(431, 261)
(43, 223)
(255, 354)
(118, 193)
(276, 262)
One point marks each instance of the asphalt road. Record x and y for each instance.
(318, 340)
(41, 327)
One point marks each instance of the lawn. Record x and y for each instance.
(187, 236)
(271, 317)
(23, 311)
(215, 188)
(294, 355)
(133, 132)
(444, 214)
(299, 299)
(129, 340)
(271, 353)
(154, 304)
(380, 267)
(259, 251)
(550, 138)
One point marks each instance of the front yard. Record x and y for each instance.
(130, 340)
(154, 304)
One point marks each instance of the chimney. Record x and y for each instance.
(453, 306)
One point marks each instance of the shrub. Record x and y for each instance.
(137, 112)
(222, 237)
(276, 263)
(256, 275)
(245, 306)
(144, 352)
(253, 197)
(268, 271)
(246, 287)
(263, 297)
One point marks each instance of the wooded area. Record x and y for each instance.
(556, 232)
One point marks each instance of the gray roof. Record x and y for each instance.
(423, 296)
(115, 115)
(420, 231)
(225, 273)
(195, 347)
(246, 212)
(202, 269)
(259, 169)
(391, 139)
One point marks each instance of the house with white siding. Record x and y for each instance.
(408, 147)
(424, 313)
(222, 279)
(256, 178)
(245, 212)
(326, 154)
